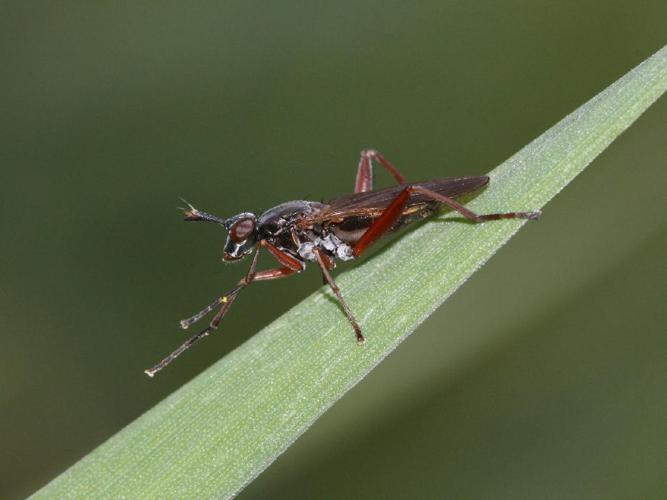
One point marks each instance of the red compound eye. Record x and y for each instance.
(242, 229)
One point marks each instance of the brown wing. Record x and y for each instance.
(372, 203)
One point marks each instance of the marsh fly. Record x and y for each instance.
(299, 231)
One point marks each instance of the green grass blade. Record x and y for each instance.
(218, 432)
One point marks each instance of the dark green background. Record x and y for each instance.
(544, 377)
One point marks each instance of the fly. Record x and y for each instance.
(299, 231)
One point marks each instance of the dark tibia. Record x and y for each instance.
(327, 275)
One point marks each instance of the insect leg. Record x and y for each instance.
(469, 214)
(284, 258)
(322, 261)
(393, 212)
(364, 181)
(383, 223)
(227, 297)
(226, 301)
(269, 274)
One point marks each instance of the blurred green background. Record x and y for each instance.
(544, 377)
